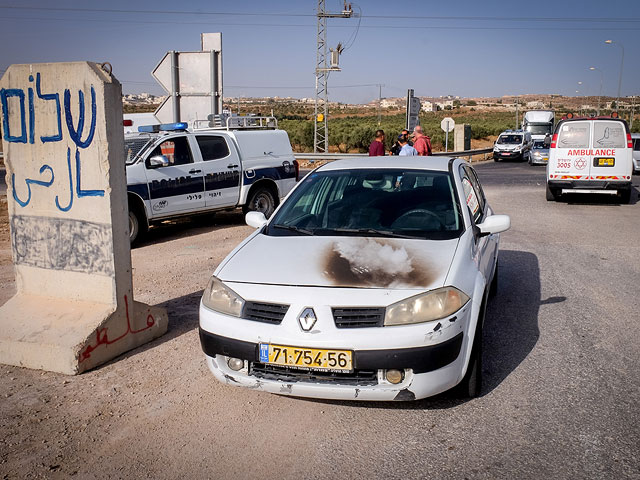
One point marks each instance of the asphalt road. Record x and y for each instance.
(561, 397)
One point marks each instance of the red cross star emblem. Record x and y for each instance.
(580, 163)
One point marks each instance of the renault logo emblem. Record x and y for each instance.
(307, 319)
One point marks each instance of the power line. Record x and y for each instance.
(385, 17)
(377, 27)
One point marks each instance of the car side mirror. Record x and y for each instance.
(255, 219)
(494, 224)
(158, 161)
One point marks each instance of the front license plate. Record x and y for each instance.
(506, 153)
(306, 358)
(604, 162)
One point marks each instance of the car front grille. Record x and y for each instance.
(287, 374)
(264, 312)
(358, 317)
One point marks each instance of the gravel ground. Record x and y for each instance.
(561, 359)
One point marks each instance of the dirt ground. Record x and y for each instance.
(145, 414)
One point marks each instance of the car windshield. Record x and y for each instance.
(133, 146)
(509, 139)
(539, 145)
(388, 203)
(541, 129)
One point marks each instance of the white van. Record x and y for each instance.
(590, 155)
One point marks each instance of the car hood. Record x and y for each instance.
(360, 262)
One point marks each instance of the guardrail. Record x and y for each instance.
(313, 157)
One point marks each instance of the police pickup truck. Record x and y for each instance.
(173, 170)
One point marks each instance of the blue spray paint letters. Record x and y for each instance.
(5, 94)
(50, 96)
(30, 182)
(79, 191)
(74, 133)
(32, 115)
(70, 204)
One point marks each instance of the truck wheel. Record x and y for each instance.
(551, 194)
(261, 201)
(137, 226)
(625, 196)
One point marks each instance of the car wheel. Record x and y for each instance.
(625, 196)
(261, 201)
(137, 226)
(493, 289)
(496, 159)
(471, 384)
(551, 194)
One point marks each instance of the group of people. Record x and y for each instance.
(418, 143)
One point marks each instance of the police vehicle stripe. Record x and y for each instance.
(139, 189)
(175, 186)
(217, 181)
(274, 173)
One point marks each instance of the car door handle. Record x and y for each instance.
(195, 171)
(231, 165)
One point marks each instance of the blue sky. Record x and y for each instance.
(460, 47)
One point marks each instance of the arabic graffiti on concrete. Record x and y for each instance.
(27, 125)
(62, 244)
(102, 336)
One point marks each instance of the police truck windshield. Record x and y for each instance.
(509, 140)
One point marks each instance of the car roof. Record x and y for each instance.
(440, 164)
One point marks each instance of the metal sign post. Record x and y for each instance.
(447, 125)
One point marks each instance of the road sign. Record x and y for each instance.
(447, 124)
(413, 111)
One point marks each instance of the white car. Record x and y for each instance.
(369, 282)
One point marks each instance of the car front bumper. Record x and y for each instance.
(511, 155)
(431, 355)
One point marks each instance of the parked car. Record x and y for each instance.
(175, 171)
(635, 137)
(512, 145)
(539, 153)
(370, 282)
(590, 155)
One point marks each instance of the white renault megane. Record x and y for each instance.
(369, 282)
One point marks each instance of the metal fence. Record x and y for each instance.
(314, 157)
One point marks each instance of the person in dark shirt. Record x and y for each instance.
(376, 149)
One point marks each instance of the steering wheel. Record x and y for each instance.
(417, 211)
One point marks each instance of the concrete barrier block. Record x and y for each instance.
(66, 190)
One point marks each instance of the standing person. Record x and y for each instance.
(376, 149)
(405, 148)
(421, 142)
(395, 149)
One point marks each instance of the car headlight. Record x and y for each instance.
(220, 298)
(426, 307)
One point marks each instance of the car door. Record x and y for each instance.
(572, 157)
(179, 186)
(486, 246)
(609, 158)
(221, 169)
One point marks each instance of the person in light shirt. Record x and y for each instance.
(405, 148)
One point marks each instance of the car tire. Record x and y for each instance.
(496, 159)
(551, 194)
(625, 196)
(471, 384)
(137, 226)
(493, 288)
(261, 200)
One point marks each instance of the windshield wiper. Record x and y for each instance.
(293, 228)
(384, 233)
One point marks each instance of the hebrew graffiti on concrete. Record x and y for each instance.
(62, 244)
(19, 126)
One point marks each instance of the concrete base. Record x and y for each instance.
(72, 337)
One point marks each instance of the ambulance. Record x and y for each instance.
(590, 155)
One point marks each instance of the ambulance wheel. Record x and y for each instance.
(261, 200)
(625, 196)
(551, 194)
(137, 226)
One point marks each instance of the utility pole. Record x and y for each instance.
(321, 110)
